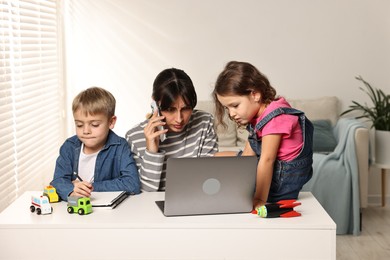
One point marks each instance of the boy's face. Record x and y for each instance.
(92, 130)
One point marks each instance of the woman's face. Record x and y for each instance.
(177, 115)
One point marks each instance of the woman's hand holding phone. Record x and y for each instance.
(152, 132)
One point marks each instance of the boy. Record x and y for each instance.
(95, 159)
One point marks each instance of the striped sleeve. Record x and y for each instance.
(210, 143)
(150, 165)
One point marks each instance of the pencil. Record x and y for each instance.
(77, 176)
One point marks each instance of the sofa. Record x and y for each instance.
(340, 160)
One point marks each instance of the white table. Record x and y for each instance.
(137, 229)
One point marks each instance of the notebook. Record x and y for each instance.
(209, 185)
(108, 199)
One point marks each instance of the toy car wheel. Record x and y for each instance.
(39, 211)
(32, 208)
(70, 210)
(81, 212)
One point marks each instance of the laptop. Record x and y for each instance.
(209, 185)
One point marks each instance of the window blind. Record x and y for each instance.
(31, 95)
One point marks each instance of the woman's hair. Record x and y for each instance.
(240, 79)
(95, 100)
(171, 84)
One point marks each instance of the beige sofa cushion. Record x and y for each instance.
(327, 108)
(318, 108)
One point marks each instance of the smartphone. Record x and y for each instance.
(154, 108)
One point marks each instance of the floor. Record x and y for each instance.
(373, 242)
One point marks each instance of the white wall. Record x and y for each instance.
(307, 48)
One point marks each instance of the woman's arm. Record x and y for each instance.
(151, 132)
(149, 164)
(210, 144)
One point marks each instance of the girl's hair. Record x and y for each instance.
(95, 100)
(240, 79)
(171, 84)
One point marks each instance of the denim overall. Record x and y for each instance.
(288, 177)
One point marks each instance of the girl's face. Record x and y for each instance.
(177, 115)
(242, 109)
(92, 130)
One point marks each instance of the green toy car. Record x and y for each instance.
(81, 205)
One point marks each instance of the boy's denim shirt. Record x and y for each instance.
(115, 168)
(288, 176)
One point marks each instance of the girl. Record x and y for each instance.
(279, 135)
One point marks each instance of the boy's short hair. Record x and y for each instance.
(95, 100)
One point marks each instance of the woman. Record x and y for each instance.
(189, 132)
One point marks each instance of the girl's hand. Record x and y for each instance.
(152, 135)
(82, 188)
(257, 203)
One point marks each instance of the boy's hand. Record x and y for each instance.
(82, 188)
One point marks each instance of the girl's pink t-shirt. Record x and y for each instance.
(286, 125)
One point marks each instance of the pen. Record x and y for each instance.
(77, 176)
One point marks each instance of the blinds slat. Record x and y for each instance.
(6, 146)
(24, 113)
(29, 136)
(6, 163)
(30, 95)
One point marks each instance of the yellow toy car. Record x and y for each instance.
(51, 193)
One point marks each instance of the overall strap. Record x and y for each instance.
(278, 111)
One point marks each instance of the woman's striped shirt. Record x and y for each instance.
(196, 140)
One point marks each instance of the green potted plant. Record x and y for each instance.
(379, 115)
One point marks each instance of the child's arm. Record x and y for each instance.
(269, 149)
(226, 153)
(123, 175)
(62, 181)
(63, 172)
(246, 152)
